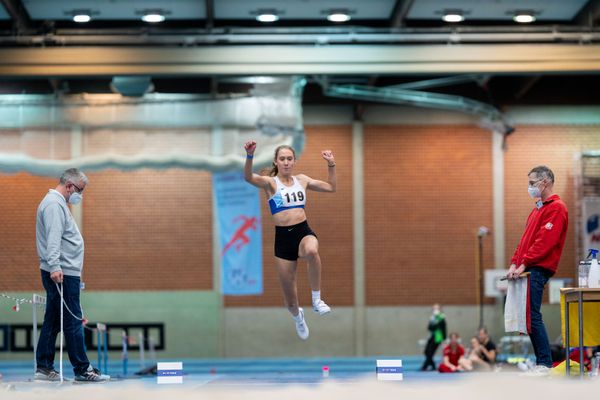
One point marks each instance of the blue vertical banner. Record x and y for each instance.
(237, 210)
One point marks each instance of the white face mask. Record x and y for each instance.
(534, 191)
(75, 198)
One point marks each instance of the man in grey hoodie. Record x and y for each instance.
(60, 249)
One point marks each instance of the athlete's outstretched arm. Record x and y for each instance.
(250, 177)
(331, 184)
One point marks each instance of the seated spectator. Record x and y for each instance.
(483, 355)
(453, 355)
(466, 362)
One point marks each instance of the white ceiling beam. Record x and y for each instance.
(304, 60)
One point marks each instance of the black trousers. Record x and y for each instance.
(430, 349)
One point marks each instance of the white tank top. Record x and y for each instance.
(287, 197)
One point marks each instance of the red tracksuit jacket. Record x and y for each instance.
(544, 238)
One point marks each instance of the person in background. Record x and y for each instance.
(437, 330)
(539, 252)
(60, 249)
(483, 351)
(453, 355)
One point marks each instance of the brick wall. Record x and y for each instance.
(143, 230)
(19, 198)
(148, 230)
(427, 190)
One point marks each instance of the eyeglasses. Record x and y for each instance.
(535, 183)
(79, 190)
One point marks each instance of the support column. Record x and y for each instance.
(217, 150)
(76, 151)
(498, 233)
(498, 199)
(358, 238)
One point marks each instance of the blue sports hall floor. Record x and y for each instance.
(291, 379)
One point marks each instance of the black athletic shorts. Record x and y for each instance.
(288, 238)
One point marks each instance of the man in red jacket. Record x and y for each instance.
(539, 252)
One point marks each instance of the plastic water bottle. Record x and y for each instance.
(594, 275)
(583, 271)
(595, 365)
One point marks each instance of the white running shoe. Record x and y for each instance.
(321, 308)
(526, 365)
(301, 327)
(538, 371)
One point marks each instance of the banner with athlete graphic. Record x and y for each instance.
(237, 209)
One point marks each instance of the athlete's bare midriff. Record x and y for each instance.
(289, 217)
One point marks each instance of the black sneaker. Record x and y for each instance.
(92, 375)
(46, 374)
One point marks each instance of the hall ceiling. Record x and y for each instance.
(197, 22)
(36, 26)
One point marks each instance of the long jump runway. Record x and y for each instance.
(349, 378)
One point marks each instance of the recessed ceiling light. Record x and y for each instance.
(267, 14)
(153, 17)
(524, 18)
(81, 18)
(264, 79)
(338, 17)
(81, 15)
(267, 17)
(453, 16)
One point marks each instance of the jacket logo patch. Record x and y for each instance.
(549, 225)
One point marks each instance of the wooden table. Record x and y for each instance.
(579, 295)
